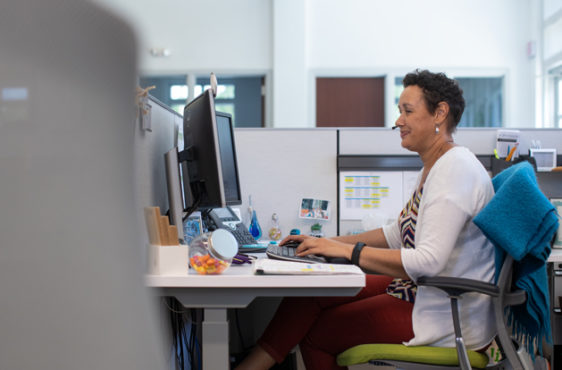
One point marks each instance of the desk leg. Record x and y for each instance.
(215, 339)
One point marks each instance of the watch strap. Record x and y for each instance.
(356, 252)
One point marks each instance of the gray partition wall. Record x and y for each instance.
(279, 167)
(150, 186)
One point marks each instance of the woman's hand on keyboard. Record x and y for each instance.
(320, 246)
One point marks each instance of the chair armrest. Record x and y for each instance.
(457, 286)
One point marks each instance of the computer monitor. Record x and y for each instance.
(229, 164)
(209, 156)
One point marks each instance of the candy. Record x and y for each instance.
(206, 265)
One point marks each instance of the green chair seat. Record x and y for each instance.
(398, 352)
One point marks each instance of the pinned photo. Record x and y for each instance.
(317, 209)
(192, 227)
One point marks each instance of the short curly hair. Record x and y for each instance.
(437, 87)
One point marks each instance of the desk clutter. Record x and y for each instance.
(165, 255)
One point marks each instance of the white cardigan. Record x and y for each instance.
(449, 244)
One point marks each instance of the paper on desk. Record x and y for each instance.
(276, 267)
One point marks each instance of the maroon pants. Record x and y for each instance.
(326, 326)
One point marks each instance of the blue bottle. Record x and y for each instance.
(255, 228)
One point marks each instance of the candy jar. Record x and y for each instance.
(211, 253)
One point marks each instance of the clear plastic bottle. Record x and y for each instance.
(274, 230)
(211, 253)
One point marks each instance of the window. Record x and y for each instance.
(483, 97)
(225, 99)
(239, 96)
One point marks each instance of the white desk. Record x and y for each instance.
(236, 288)
(555, 255)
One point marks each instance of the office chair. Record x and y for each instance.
(535, 222)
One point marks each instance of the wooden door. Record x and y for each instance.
(350, 102)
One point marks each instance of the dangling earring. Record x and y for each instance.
(436, 129)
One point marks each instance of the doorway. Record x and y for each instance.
(350, 102)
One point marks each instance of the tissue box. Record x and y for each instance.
(167, 259)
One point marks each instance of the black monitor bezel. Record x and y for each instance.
(238, 201)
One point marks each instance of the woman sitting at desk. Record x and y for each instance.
(433, 236)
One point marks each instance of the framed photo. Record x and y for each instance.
(557, 202)
(317, 209)
(192, 227)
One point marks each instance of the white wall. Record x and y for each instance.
(290, 52)
(211, 35)
(462, 38)
(297, 40)
(279, 167)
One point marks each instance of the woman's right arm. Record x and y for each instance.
(373, 238)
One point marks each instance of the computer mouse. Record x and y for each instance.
(291, 244)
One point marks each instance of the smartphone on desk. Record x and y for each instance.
(225, 218)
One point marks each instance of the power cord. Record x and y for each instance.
(184, 344)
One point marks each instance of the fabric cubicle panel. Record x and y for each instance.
(149, 170)
(481, 141)
(279, 167)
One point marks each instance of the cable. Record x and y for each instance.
(192, 209)
(182, 344)
(172, 309)
(176, 340)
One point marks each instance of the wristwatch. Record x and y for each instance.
(356, 252)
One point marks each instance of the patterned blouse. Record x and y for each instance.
(405, 288)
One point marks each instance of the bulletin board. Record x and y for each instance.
(383, 192)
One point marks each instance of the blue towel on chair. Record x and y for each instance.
(521, 221)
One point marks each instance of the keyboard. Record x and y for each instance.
(287, 253)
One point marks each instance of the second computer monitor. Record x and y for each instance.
(229, 165)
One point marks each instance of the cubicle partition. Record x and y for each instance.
(155, 133)
(280, 166)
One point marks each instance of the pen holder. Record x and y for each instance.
(498, 165)
(167, 259)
